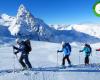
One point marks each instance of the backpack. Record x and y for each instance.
(90, 49)
(28, 46)
(69, 46)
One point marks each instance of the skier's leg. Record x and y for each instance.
(27, 61)
(21, 61)
(69, 62)
(87, 59)
(63, 61)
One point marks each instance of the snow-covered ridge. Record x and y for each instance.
(90, 29)
(6, 20)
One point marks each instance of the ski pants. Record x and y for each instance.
(86, 61)
(24, 57)
(66, 57)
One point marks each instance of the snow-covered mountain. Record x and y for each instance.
(6, 20)
(25, 25)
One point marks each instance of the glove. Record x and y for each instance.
(57, 51)
(15, 53)
(80, 51)
(14, 47)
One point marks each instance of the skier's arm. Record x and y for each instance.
(15, 48)
(60, 50)
(18, 49)
(98, 49)
(16, 52)
(82, 50)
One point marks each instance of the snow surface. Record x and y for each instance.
(44, 55)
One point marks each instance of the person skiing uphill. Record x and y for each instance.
(24, 54)
(87, 49)
(66, 49)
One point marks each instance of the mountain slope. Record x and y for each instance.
(26, 25)
(75, 36)
(89, 28)
(6, 20)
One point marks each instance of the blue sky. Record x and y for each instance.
(54, 11)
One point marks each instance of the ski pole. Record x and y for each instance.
(17, 59)
(79, 58)
(57, 58)
(14, 61)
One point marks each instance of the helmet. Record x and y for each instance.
(18, 40)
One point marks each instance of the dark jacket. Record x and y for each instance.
(21, 48)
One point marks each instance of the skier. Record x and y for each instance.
(66, 49)
(24, 54)
(87, 49)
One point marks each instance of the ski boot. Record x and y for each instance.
(63, 66)
(24, 68)
(69, 65)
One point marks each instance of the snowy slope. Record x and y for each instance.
(6, 20)
(93, 29)
(89, 28)
(5, 35)
(44, 55)
(74, 36)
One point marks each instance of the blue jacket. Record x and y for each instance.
(86, 50)
(65, 50)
